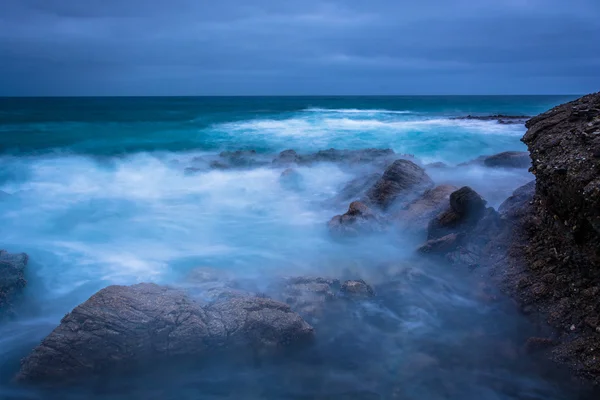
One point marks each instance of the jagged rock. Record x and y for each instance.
(287, 157)
(12, 277)
(127, 325)
(359, 219)
(357, 289)
(416, 215)
(509, 159)
(400, 181)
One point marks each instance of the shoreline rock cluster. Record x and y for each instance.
(542, 246)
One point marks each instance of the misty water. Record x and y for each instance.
(98, 194)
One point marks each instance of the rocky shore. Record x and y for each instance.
(541, 246)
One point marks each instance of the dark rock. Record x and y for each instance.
(12, 278)
(350, 156)
(501, 118)
(400, 181)
(509, 159)
(238, 159)
(466, 209)
(444, 244)
(309, 296)
(287, 157)
(357, 289)
(416, 215)
(359, 219)
(122, 326)
(513, 206)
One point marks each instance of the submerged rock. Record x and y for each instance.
(291, 179)
(509, 159)
(400, 181)
(416, 215)
(357, 289)
(359, 219)
(12, 277)
(356, 188)
(349, 156)
(501, 118)
(126, 325)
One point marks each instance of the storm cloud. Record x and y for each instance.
(229, 47)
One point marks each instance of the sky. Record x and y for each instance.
(308, 47)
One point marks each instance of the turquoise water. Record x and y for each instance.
(98, 195)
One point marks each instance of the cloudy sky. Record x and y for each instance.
(256, 47)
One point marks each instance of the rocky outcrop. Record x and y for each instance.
(554, 246)
(359, 219)
(12, 278)
(286, 158)
(508, 159)
(416, 215)
(400, 183)
(122, 326)
(349, 156)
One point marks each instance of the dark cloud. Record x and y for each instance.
(63, 47)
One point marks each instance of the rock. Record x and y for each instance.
(509, 159)
(501, 118)
(359, 219)
(514, 206)
(121, 326)
(287, 157)
(309, 296)
(416, 215)
(12, 278)
(238, 159)
(442, 245)
(350, 156)
(466, 208)
(356, 188)
(291, 179)
(357, 289)
(437, 164)
(400, 181)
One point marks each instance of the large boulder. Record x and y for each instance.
(291, 179)
(359, 219)
(123, 326)
(508, 159)
(417, 214)
(356, 188)
(286, 158)
(400, 182)
(12, 277)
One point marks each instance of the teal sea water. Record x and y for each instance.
(95, 191)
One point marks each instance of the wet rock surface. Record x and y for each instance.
(359, 219)
(126, 325)
(12, 278)
(400, 183)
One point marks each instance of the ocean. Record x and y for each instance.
(102, 191)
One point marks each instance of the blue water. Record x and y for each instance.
(98, 195)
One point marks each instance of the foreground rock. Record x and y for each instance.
(121, 326)
(401, 182)
(359, 219)
(462, 233)
(415, 216)
(291, 179)
(554, 256)
(12, 278)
